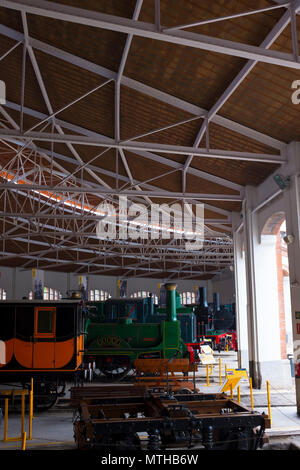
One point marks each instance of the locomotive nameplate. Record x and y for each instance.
(109, 341)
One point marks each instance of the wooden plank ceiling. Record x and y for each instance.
(48, 63)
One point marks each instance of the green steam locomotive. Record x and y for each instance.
(119, 332)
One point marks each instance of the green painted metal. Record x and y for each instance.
(134, 340)
(125, 337)
(171, 302)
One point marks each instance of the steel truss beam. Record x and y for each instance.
(266, 44)
(112, 267)
(67, 210)
(144, 154)
(69, 190)
(142, 88)
(135, 27)
(200, 258)
(138, 28)
(133, 146)
(96, 218)
(228, 17)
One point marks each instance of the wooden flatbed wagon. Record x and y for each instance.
(113, 417)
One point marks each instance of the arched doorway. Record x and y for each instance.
(275, 227)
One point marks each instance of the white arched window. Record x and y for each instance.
(97, 295)
(2, 294)
(48, 294)
(188, 298)
(143, 294)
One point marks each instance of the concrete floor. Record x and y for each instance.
(54, 429)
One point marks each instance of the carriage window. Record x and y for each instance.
(45, 321)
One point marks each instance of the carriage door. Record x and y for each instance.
(44, 337)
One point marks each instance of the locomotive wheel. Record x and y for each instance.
(45, 396)
(116, 368)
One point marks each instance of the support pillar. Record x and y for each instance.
(14, 284)
(83, 286)
(38, 283)
(240, 292)
(254, 366)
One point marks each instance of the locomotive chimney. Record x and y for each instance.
(202, 296)
(171, 301)
(216, 301)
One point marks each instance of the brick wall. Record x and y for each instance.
(279, 252)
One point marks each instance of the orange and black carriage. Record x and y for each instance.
(43, 340)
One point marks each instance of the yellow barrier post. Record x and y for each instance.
(5, 419)
(211, 369)
(251, 392)
(30, 409)
(220, 371)
(231, 391)
(225, 371)
(207, 375)
(269, 401)
(23, 441)
(22, 414)
(12, 393)
(239, 394)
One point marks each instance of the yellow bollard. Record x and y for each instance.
(220, 371)
(22, 414)
(231, 391)
(211, 369)
(269, 401)
(5, 419)
(23, 441)
(239, 394)
(30, 409)
(251, 392)
(207, 375)
(226, 371)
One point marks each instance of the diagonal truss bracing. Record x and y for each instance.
(44, 219)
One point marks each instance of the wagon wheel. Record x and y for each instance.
(46, 397)
(116, 369)
(45, 403)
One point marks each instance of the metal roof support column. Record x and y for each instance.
(254, 365)
(240, 292)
